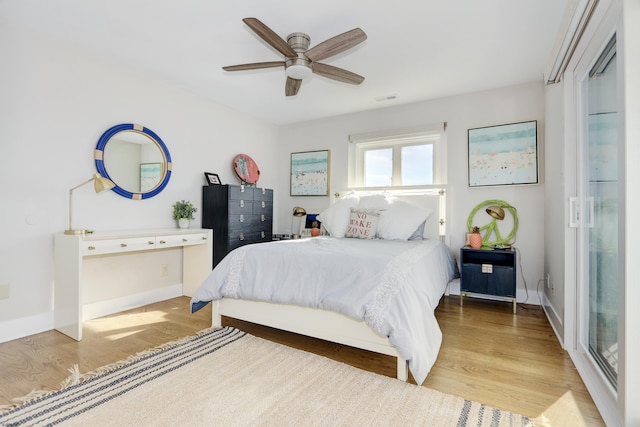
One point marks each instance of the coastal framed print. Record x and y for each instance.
(310, 173)
(150, 174)
(503, 155)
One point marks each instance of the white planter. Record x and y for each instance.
(184, 223)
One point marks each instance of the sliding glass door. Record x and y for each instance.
(599, 209)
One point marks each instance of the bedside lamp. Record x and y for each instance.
(496, 212)
(296, 221)
(100, 184)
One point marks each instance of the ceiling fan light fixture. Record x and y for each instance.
(298, 72)
(298, 68)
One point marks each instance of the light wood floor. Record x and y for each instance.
(488, 355)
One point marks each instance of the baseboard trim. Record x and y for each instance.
(116, 305)
(25, 326)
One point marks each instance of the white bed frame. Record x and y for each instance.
(333, 326)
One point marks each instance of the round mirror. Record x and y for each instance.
(135, 159)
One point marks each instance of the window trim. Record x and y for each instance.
(396, 139)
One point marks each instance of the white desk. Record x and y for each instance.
(70, 251)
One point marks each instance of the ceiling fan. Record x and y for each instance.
(300, 61)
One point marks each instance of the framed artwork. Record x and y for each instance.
(503, 154)
(212, 178)
(310, 173)
(150, 176)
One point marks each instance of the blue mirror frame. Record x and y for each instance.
(99, 159)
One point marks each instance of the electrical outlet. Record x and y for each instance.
(4, 291)
(548, 280)
(164, 270)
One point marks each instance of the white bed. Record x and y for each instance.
(246, 286)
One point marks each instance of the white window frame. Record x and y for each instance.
(397, 139)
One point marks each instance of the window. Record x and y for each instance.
(397, 159)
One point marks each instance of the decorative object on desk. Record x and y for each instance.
(212, 178)
(135, 159)
(503, 155)
(493, 236)
(183, 212)
(296, 221)
(315, 229)
(246, 169)
(310, 173)
(100, 184)
(475, 238)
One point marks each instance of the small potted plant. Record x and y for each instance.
(183, 212)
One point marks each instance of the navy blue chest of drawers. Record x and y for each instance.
(238, 215)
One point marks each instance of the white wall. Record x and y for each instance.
(507, 105)
(56, 103)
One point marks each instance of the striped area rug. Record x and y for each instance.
(226, 377)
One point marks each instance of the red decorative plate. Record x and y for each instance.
(246, 169)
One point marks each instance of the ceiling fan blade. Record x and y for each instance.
(292, 86)
(268, 35)
(336, 73)
(336, 45)
(254, 66)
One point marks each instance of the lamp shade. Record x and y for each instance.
(496, 212)
(101, 183)
(298, 211)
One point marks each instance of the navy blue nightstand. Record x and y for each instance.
(488, 272)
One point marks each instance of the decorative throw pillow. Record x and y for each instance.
(363, 224)
(400, 220)
(336, 218)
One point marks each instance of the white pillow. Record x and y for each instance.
(363, 223)
(400, 220)
(336, 218)
(376, 201)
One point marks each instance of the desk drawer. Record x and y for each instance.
(109, 246)
(180, 240)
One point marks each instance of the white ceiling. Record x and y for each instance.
(415, 50)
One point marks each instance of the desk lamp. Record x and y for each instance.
(100, 184)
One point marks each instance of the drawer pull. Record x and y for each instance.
(242, 203)
(162, 242)
(185, 240)
(242, 188)
(241, 236)
(264, 190)
(151, 242)
(264, 205)
(204, 237)
(123, 245)
(91, 248)
(262, 218)
(262, 234)
(241, 218)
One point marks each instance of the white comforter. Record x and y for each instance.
(394, 286)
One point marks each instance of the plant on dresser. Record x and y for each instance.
(238, 215)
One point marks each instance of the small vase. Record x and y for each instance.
(315, 231)
(475, 240)
(184, 223)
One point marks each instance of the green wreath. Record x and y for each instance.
(492, 228)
